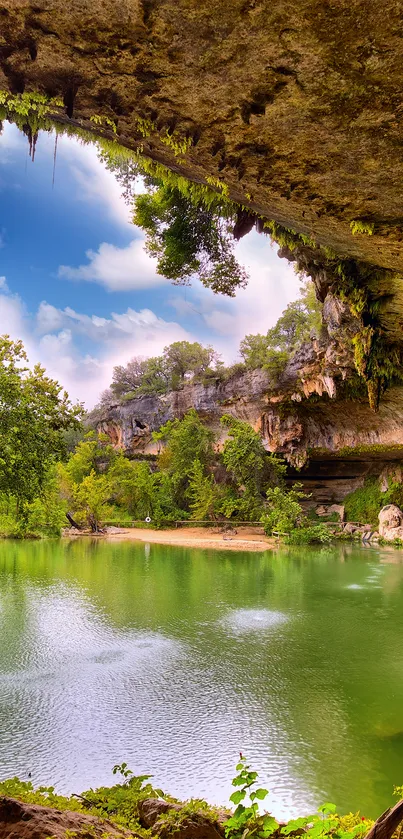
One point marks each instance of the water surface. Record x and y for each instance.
(175, 659)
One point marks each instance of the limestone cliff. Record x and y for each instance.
(329, 435)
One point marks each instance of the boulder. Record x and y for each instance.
(184, 823)
(349, 528)
(391, 522)
(31, 821)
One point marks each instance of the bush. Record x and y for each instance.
(364, 503)
(310, 535)
(285, 512)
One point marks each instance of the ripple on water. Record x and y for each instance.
(240, 621)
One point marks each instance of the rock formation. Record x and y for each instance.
(31, 821)
(391, 523)
(297, 107)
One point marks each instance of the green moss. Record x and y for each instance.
(360, 226)
(359, 451)
(363, 505)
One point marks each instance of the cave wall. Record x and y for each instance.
(295, 107)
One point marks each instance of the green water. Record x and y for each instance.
(176, 659)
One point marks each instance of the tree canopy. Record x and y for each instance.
(189, 228)
(34, 413)
(299, 321)
(162, 373)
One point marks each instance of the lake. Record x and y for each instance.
(175, 659)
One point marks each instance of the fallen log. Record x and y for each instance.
(73, 523)
(387, 823)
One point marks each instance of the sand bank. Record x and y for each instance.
(245, 539)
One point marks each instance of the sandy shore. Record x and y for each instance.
(245, 539)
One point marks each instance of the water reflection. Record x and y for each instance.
(176, 659)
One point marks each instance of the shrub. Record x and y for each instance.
(364, 503)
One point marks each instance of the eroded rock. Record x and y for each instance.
(31, 821)
(391, 523)
(182, 823)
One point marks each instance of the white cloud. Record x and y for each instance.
(91, 181)
(117, 269)
(272, 285)
(54, 337)
(3, 283)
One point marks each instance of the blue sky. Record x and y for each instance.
(78, 287)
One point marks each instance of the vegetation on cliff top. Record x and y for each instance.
(184, 361)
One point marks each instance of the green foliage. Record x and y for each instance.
(285, 516)
(90, 499)
(94, 453)
(245, 457)
(120, 805)
(298, 322)
(284, 512)
(363, 505)
(187, 237)
(202, 493)
(246, 820)
(186, 440)
(159, 374)
(360, 226)
(133, 487)
(310, 534)
(33, 416)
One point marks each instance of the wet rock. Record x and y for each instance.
(31, 821)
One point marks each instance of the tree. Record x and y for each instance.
(284, 512)
(90, 499)
(299, 320)
(182, 358)
(94, 453)
(245, 457)
(253, 349)
(186, 440)
(137, 373)
(190, 236)
(34, 413)
(133, 487)
(202, 493)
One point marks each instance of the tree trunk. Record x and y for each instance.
(387, 823)
(72, 522)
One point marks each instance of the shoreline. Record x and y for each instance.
(245, 539)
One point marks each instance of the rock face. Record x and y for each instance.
(296, 107)
(391, 523)
(194, 825)
(131, 424)
(30, 821)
